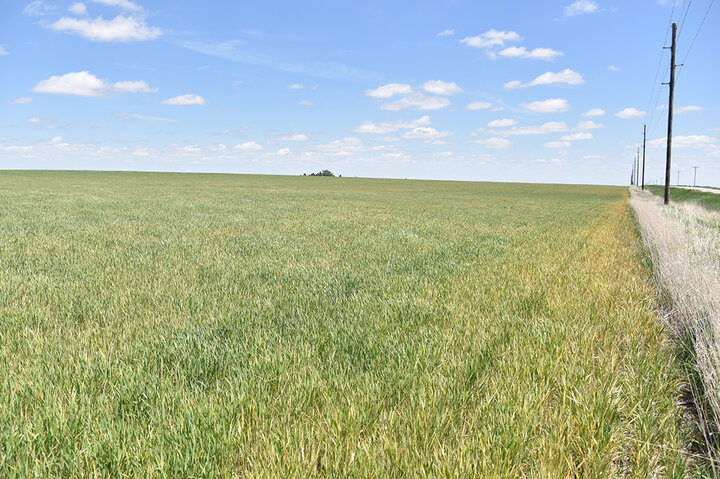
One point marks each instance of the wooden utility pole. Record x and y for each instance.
(678, 182)
(668, 154)
(644, 139)
(695, 176)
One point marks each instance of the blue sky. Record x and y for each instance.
(553, 91)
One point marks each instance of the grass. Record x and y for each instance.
(249, 326)
(683, 240)
(710, 201)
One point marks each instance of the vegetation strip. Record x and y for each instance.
(197, 325)
(706, 199)
(684, 243)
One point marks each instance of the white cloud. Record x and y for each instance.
(439, 87)
(566, 76)
(37, 9)
(283, 152)
(425, 133)
(502, 123)
(78, 8)
(702, 142)
(20, 101)
(124, 4)
(613, 68)
(3, 51)
(294, 137)
(188, 99)
(86, 84)
(446, 33)
(558, 144)
(119, 29)
(34, 120)
(389, 90)
(495, 142)
(295, 86)
(689, 108)
(581, 6)
(344, 147)
(536, 54)
(551, 105)
(392, 126)
(248, 146)
(132, 87)
(594, 112)
(629, 113)
(577, 136)
(491, 38)
(418, 101)
(483, 105)
(545, 128)
(305, 103)
(588, 125)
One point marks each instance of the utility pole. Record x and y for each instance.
(668, 154)
(678, 182)
(695, 176)
(638, 163)
(644, 139)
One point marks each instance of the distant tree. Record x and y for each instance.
(321, 173)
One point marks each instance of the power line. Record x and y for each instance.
(696, 35)
(684, 18)
(650, 114)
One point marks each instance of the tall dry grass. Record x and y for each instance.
(684, 242)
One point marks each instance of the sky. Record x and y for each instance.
(525, 91)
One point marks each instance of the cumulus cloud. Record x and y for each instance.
(613, 68)
(545, 128)
(702, 142)
(37, 9)
(3, 51)
(248, 146)
(439, 87)
(484, 105)
(283, 152)
(491, 38)
(86, 84)
(392, 126)
(689, 108)
(494, 142)
(446, 33)
(566, 76)
(551, 105)
(581, 6)
(594, 112)
(305, 103)
(417, 101)
(425, 133)
(294, 137)
(295, 86)
(502, 123)
(558, 144)
(588, 125)
(389, 90)
(124, 4)
(78, 8)
(20, 101)
(577, 136)
(629, 113)
(119, 29)
(188, 99)
(546, 54)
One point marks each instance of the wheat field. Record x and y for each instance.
(253, 326)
